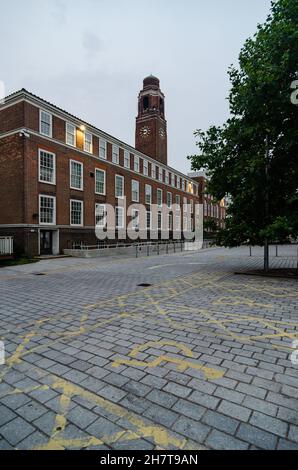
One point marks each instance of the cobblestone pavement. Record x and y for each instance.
(198, 360)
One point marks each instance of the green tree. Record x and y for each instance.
(253, 156)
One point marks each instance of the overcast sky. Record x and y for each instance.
(90, 57)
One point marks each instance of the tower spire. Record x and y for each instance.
(151, 125)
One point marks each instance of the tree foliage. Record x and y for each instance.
(234, 154)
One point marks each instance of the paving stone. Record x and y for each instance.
(293, 433)
(6, 415)
(81, 417)
(112, 393)
(161, 415)
(221, 422)
(273, 425)
(230, 395)
(162, 398)
(192, 429)
(260, 405)
(102, 427)
(256, 436)
(176, 389)
(33, 442)
(16, 430)
(234, 411)
(31, 411)
(220, 441)
(204, 400)
(189, 409)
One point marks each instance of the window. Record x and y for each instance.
(47, 210)
(136, 164)
(178, 182)
(160, 171)
(148, 220)
(135, 191)
(170, 221)
(185, 204)
(169, 200)
(178, 222)
(191, 205)
(76, 175)
(153, 171)
(135, 218)
(148, 194)
(100, 181)
(45, 123)
(159, 221)
(76, 212)
(115, 154)
(70, 134)
(178, 201)
(100, 215)
(119, 215)
(47, 167)
(145, 167)
(103, 148)
(172, 179)
(119, 186)
(126, 159)
(183, 185)
(88, 142)
(159, 197)
(167, 177)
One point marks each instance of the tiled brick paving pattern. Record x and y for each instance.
(201, 359)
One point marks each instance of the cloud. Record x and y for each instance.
(59, 12)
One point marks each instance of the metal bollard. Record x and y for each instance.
(167, 248)
(250, 252)
(137, 254)
(158, 248)
(174, 247)
(276, 251)
(148, 248)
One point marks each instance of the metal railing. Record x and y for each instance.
(6, 245)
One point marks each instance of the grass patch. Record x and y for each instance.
(16, 261)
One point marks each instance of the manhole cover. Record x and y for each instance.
(144, 285)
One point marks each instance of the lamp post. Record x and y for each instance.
(266, 243)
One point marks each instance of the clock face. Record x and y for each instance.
(162, 133)
(145, 131)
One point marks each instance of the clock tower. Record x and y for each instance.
(151, 126)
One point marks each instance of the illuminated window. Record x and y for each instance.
(70, 134)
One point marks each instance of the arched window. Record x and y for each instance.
(146, 103)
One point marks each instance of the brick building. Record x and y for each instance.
(59, 172)
(212, 209)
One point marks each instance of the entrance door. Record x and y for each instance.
(46, 242)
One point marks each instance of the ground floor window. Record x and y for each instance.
(76, 212)
(100, 215)
(47, 210)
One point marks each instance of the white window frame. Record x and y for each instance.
(172, 180)
(169, 206)
(99, 170)
(122, 178)
(53, 183)
(74, 134)
(103, 141)
(87, 142)
(136, 164)
(153, 171)
(104, 220)
(159, 218)
(150, 224)
(178, 225)
(126, 159)
(82, 212)
(159, 191)
(41, 111)
(115, 154)
(145, 168)
(160, 174)
(135, 220)
(121, 209)
(166, 177)
(82, 175)
(54, 209)
(132, 191)
(178, 182)
(178, 201)
(149, 193)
